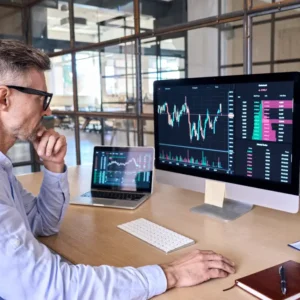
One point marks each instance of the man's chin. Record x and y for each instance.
(31, 138)
(26, 138)
(33, 135)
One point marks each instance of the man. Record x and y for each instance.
(28, 270)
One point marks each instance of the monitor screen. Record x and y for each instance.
(126, 169)
(228, 128)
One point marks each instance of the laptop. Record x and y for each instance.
(122, 177)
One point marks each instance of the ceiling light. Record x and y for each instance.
(78, 22)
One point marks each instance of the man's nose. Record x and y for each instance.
(47, 112)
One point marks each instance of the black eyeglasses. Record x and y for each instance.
(47, 96)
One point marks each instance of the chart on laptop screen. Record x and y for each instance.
(123, 169)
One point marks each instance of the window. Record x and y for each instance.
(50, 26)
(60, 83)
(102, 22)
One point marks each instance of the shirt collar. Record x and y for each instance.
(5, 162)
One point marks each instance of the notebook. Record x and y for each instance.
(122, 177)
(265, 284)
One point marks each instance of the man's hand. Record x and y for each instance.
(51, 147)
(197, 267)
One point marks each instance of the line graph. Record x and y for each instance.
(123, 169)
(194, 119)
(133, 160)
(136, 163)
(196, 129)
(195, 126)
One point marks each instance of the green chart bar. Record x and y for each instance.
(258, 117)
(204, 159)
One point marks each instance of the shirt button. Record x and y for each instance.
(15, 243)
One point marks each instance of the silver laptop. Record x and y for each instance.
(122, 177)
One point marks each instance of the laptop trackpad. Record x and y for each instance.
(103, 202)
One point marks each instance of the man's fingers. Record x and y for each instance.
(221, 265)
(41, 131)
(43, 144)
(35, 144)
(45, 139)
(60, 143)
(219, 257)
(217, 273)
(50, 145)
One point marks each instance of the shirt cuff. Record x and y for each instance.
(157, 281)
(53, 178)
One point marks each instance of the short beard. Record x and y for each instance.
(33, 135)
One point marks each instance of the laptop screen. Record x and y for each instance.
(123, 168)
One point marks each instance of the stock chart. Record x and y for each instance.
(244, 129)
(195, 126)
(123, 169)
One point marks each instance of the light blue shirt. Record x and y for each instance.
(28, 270)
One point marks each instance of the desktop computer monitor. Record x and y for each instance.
(241, 130)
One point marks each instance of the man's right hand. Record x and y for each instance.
(197, 267)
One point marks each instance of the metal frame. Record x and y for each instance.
(247, 15)
(219, 39)
(75, 90)
(272, 41)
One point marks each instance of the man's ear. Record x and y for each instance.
(4, 102)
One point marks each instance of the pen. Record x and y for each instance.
(282, 280)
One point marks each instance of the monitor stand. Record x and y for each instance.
(230, 211)
(216, 205)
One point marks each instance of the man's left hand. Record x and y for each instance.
(51, 147)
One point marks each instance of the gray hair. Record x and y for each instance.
(17, 58)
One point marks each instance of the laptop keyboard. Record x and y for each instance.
(114, 195)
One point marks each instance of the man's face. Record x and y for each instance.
(25, 112)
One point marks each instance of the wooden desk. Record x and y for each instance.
(89, 235)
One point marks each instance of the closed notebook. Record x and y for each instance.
(265, 284)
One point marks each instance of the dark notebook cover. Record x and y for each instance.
(267, 282)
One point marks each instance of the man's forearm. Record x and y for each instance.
(52, 202)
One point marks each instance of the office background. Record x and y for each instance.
(106, 54)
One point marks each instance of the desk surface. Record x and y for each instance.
(89, 235)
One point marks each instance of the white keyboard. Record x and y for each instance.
(156, 235)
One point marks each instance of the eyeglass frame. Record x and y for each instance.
(47, 99)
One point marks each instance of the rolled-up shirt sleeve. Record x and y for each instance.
(46, 211)
(28, 270)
